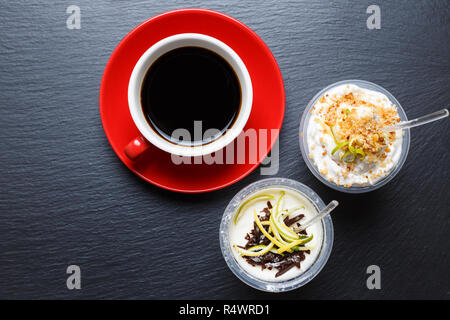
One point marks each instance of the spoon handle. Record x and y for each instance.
(330, 207)
(419, 121)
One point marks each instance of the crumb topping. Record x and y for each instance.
(357, 123)
(355, 149)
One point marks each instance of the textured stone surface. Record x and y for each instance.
(67, 199)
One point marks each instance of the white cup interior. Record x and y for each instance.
(171, 43)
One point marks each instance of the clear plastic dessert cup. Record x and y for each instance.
(275, 286)
(304, 144)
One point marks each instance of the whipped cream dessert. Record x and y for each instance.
(282, 251)
(344, 136)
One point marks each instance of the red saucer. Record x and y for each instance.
(156, 166)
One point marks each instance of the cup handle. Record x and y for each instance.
(136, 147)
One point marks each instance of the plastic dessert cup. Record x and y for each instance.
(275, 286)
(304, 144)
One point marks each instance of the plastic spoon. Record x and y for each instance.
(326, 211)
(419, 121)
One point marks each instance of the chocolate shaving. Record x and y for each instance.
(267, 216)
(291, 221)
(283, 263)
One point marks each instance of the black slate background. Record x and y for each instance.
(65, 197)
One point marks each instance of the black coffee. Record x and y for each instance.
(190, 84)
